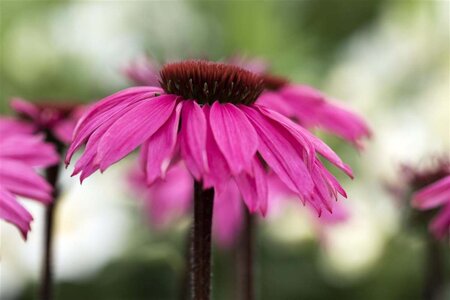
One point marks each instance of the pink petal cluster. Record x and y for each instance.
(311, 109)
(20, 153)
(432, 196)
(219, 143)
(60, 120)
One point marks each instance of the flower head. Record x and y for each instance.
(20, 153)
(429, 187)
(207, 115)
(57, 119)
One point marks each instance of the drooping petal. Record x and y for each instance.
(133, 128)
(219, 172)
(227, 214)
(433, 195)
(25, 108)
(193, 138)
(28, 149)
(440, 226)
(253, 188)
(160, 146)
(10, 126)
(312, 109)
(111, 107)
(234, 135)
(281, 152)
(306, 137)
(14, 213)
(21, 179)
(63, 130)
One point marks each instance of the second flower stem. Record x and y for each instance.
(244, 258)
(46, 291)
(201, 243)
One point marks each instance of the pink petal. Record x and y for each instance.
(306, 137)
(29, 149)
(440, 226)
(312, 108)
(20, 179)
(109, 108)
(63, 130)
(234, 135)
(170, 198)
(10, 126)
(14, 213)
(133, 128)
(433, 195)
(26, 108)
(281, 152)
(254, 188)
(227, 220)
(160, 146)
(219, 172)
(193, 138)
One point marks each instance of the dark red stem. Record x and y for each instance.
(201, 243)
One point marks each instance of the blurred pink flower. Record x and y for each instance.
(20, 153)
(205, 114)
(432, 196)
(170, 198)
(58, 119)
(310, 108)
(166, 199)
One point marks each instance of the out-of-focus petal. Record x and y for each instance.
(433, 195)
(14, 213)
(227, 214)
(21, 179)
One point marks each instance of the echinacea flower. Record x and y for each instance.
(54, 118)
(205, 114)
(432, 196)
(312, 109)
(430, 189)
(20, 153)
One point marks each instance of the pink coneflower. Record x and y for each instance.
(208, 111)
(54, 118)
(432, 196)
(20, 153)
(430, 186)
(205, 114)
(312, 109)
